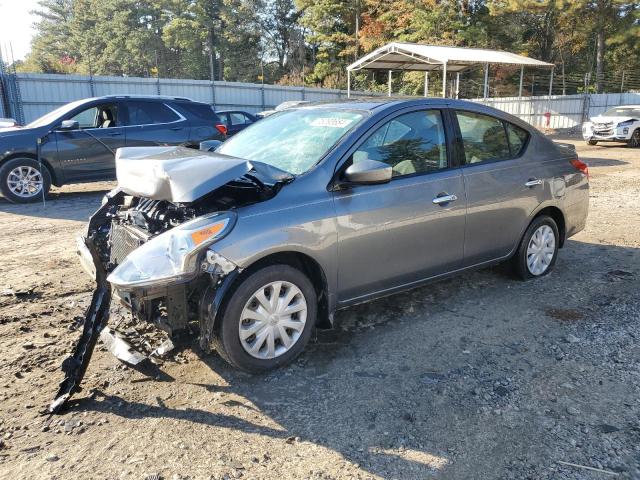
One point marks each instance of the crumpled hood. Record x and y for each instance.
(614, 120)
(175, 174)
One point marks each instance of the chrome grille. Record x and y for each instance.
(124, 240)
(603, 128)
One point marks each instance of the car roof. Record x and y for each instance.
(140, 97)
(379, 103)
(233, 111)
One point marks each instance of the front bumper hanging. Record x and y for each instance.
(96, 317)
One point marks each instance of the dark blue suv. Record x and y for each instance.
(77, 142)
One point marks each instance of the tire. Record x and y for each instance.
(522, 267)
(243, 302)
(634, 141)
(592, 142)
(17, 169)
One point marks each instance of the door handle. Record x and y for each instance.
(446, 198)
(533, 182)
(115, 134)
(175, 129)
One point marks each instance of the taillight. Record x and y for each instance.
(580, 165)
(222, 128)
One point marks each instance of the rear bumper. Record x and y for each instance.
(576, 207)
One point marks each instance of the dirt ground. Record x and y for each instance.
(481, 376)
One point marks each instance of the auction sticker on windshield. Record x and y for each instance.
(331, 122)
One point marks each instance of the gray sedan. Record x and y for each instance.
(321, 207)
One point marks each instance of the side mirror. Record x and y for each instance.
(368, 172)
(69, 125)
(210, 145)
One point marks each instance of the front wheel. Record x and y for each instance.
(24, 180)
(538, 249)
(634, 142)
(268, 320)
(592, 142)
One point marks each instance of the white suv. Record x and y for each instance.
(619, 124)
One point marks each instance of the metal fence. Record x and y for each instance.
(41, 93)
(560, 111)
(26, 96)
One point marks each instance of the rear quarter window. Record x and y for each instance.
(201, 111)
(517, 139)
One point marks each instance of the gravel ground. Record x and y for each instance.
(480, 376)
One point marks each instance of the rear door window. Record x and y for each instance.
(150, 113)
(484, 137)
(238, 118)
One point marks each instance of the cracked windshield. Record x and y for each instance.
(293, 141)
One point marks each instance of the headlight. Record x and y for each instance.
(626, 123)
(174, 255)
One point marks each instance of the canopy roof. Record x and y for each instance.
(414, 56)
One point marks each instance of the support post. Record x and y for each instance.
(551, 81)
(348, 83)
(622, 83)
(444, 80)
(521, 80)
(426, 84)
(389, 82)
(457, 85)
(486, 81)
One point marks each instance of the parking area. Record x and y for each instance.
(480, 376)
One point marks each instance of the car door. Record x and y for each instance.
(151, 123)
(504, 185)
(395, 234)
(89, 152)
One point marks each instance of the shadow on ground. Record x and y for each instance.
(391, 388)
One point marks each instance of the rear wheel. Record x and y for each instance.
(538, 249)
(592, 142)
(634, 142)
(268, 320)
(24, 180)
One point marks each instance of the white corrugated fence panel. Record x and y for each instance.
(42, 93)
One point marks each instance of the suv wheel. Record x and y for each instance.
(268, 320)
(538, 249)
(592, 142)
(23, 180)
(634, 142)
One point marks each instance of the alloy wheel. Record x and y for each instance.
(541, 249)
(272, 320)
(25, 181)
(635, 139)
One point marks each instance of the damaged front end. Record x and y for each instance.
(150, 246)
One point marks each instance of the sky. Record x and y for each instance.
(16, 26)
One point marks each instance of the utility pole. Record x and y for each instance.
(357, 52)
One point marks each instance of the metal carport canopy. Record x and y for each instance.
(417, 57)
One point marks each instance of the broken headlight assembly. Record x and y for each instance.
(173, 256)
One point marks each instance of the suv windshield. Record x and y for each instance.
(294, 140)
(623, 112)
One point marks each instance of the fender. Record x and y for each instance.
(211, 304)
